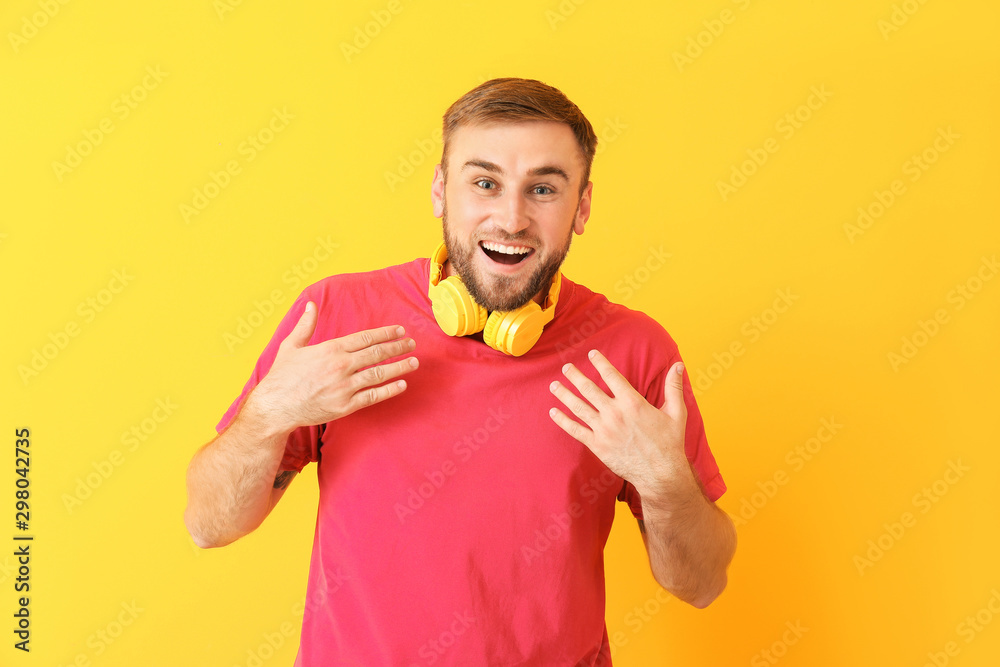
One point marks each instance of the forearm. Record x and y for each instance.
(230, 479)
(690, 541)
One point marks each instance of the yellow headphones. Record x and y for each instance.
(513, 332)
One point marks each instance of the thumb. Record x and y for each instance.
(303, 331)
(673, 392)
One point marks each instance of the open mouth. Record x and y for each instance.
(505, 254)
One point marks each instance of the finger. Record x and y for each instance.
(364, 339)
(303, 330)
(577, 405)
(673, 392)
(573, 428)
(617, 383)
(587, 387)
(373, 395)
(380, 352)
(374, 375)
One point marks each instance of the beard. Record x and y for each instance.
(499, 292)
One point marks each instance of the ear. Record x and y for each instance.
(437, 192)
(583, 210)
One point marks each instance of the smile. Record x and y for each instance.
(501, 253)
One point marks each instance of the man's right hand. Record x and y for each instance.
(315, 384)
(235, 480)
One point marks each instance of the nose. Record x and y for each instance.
(513, 214)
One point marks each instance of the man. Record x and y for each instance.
(464, 507)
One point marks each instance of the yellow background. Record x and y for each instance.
(673, 130)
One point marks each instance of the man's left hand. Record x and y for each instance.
(637, 441)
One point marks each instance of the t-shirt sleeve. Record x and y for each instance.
(302, 445)
(695, 444)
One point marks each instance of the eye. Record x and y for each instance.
(542, 190)
(486, 184)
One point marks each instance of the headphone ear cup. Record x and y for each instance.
(455, 310)
(490, 330)
(515, 332)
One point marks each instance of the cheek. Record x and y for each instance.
(468, 209)
(558, 222)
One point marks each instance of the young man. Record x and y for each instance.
(464, 509)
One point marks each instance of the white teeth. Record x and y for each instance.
(505, 249)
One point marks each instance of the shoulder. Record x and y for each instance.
(404, 273)
(587, 312)
(409, 277)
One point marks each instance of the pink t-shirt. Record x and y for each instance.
(457, 523)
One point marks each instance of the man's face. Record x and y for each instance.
(511, 187)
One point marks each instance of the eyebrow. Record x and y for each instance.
(537, 171)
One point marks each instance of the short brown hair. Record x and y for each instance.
(511, 100)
